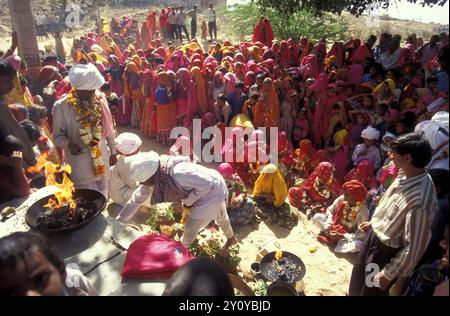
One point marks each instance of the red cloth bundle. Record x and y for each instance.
(154, 257)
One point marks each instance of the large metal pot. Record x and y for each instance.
(37, 209)
(266, 264)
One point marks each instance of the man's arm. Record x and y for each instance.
(330, 213)
(417, 238)
(138, 198)
(60, 128)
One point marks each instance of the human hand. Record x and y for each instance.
(365, 226)
(383, 281)
(113, 160)
(75, 149)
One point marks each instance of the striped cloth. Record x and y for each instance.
(403, 220)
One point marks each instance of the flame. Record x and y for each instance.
(278, 254)
(64, 196)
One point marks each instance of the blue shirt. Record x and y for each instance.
(442, 81)
(236, 103)
(161, 96)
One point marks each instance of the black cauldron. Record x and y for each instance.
(37, 210)
(294, 262)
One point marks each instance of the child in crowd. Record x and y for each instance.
(368, 150)
(301, 128)
(29, 266)
(222, 109)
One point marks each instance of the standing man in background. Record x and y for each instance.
(193, 15)
(181, 21)
(212, 21)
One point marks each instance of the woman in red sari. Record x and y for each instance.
(318, 191)
(185, 98)
(202, 97)
(365, 173)
(148, 120)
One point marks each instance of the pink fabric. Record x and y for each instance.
(154, 257)
(361, 54)
(231, 82)
(355, 74)
(309, 68)
(107, 121)
(186, 79)
(226, 170)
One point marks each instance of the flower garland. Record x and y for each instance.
(322, 189)
(89, 115)
(349, 213)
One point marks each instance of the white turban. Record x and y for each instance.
(436, 130)
(86, 77)
(143, 166)
(96, 48)
(370, 133)
(128, 143)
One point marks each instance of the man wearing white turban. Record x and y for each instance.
(83, 128)
(202, 191)
(367, 150)
(121, 187)
(437, 133)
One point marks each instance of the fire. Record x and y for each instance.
(278, 254)
(64, 196)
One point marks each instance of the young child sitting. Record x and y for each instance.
(121, 188)
(368, 150)
(222, 109)
(29, 266)
(339, 226)
(241, 208)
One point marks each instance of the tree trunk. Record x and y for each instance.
(23, 23)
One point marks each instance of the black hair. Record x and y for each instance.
(239, 85)
(254, 96)
(222, 97)
(23, 81)
(440, 179)
(15, 247)
(32, 130)
(50, 58)
(432, 79)
(200, 277)
(106, 87)
(6, 69)
(9, 144)
(37, 112)
(416, 145)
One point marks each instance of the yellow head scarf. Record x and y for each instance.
(271, 181)
(339, 138)
(391, 84)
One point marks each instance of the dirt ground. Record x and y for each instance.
(327, 273)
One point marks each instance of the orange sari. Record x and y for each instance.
(267, 111)
(202, 98)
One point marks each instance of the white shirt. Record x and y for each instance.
(211, 15)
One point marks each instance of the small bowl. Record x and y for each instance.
(281, 289)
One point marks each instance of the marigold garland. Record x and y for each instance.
(90, 120)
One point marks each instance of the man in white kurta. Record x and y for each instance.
(66, 131)
(121, 187)
(207, 197)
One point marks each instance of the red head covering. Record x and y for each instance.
(305, 148)
(324, 170)
(356, 189)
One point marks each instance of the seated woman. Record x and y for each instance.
(270, 187)
(302, 158)
(13, 182)
(318, 191)
(339, 226)
(121, 187)
(241, 209)
(364, 172)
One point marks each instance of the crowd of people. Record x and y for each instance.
(362, 143)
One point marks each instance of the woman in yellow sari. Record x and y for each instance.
(271, 186)
(267, 110)
(202, 98)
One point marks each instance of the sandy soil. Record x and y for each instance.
(326, 272)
